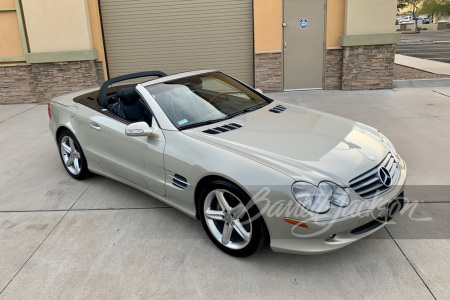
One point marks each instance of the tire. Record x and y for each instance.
(238, 218)
(76, 164)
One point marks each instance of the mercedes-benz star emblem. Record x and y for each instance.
(385, 177)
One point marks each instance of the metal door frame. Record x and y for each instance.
(324, 51)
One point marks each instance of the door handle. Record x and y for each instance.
(285, 45)
(95, 126)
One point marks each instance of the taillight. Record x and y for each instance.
(49, 112)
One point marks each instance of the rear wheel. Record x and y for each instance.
(230, 219)
(72, 155)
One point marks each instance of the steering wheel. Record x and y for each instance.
(218, 95)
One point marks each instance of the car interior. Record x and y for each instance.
(185, 101)
(128, 104)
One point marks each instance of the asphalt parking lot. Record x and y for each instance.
(427, 36)
(432, 45)
(65, 239)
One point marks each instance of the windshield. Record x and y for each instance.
(204, 99)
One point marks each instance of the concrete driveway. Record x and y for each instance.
(61, 238)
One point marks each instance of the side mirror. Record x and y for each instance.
(259, 91)
(139, 129)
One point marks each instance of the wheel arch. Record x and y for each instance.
(210, 178)
(61, 129)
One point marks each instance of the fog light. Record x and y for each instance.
(330, 237)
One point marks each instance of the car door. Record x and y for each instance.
(135, 159)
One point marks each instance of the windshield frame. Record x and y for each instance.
(245, 89)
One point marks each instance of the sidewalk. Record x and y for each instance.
(431, 66)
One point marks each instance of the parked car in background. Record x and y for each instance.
(406, 19)
(425, 19)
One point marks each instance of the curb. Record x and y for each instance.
(415, 42)
(421, 83)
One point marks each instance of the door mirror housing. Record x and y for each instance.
(139, 129)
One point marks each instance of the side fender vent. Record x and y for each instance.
(179, 181)
(278, 109)
(223, 128)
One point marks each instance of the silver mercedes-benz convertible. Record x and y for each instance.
(251, 169)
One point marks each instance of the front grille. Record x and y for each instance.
(369, 184)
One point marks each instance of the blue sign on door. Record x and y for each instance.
(303, 23)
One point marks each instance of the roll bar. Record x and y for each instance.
(104, 89)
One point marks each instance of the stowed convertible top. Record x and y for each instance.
(104, 89)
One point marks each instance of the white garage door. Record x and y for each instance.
(179, 35)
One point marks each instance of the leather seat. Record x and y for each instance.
(131, 106)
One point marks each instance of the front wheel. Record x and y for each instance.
(230, 219)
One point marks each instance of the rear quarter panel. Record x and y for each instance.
(75, 118)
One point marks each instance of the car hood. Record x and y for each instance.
(302, 143)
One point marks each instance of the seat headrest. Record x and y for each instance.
(128, 96)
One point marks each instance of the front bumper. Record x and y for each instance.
(326, 236)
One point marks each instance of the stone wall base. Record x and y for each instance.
(368, 67)
(268, 71)
(443, 25)
(333, 69)
(360, 68)
(39, 83)
(350, 68)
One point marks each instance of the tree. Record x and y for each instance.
(439, 8)
(415, 4)
(401, 4)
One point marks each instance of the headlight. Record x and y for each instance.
(388, 143)
(319, 199)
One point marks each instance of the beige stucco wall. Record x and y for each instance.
(10, 39)
(268, 16)
(57, 25)
(268, 21)
(7, 3)
(96, 31)
(370, 16)
(335, 21)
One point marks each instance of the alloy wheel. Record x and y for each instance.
(228, 219)
(70, 155)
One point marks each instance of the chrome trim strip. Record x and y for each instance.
(178, 185)
(177, 179)
(358, 179)
(363, 184)
(371, 189)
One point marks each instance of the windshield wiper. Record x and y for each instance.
(249, 109)
(200, 124)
